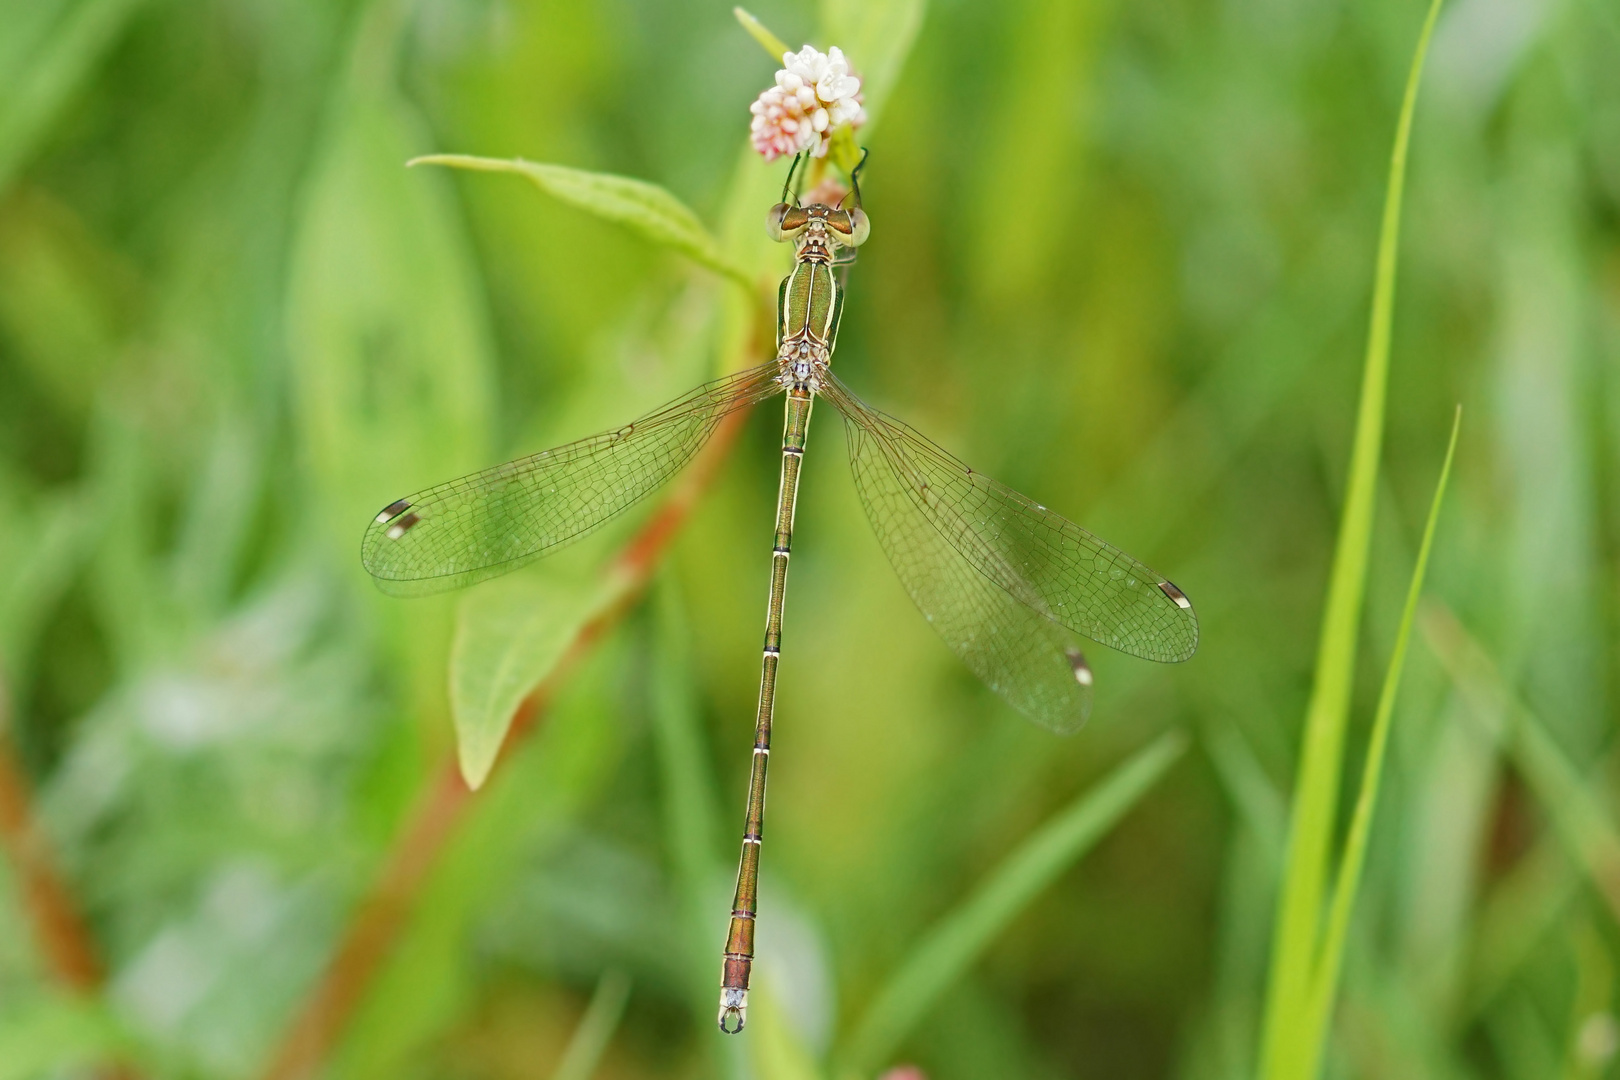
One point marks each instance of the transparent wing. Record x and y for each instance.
(1003, 580)
(495, 521)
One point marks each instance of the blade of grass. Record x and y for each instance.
(645, 209)
(595, 1028)
(756, 30)
(1313, 1034)
(957, 940)
(1296, 934)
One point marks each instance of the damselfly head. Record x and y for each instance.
(846, 228)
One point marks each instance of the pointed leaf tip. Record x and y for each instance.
(508, 639)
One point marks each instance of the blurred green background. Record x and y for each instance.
(1121, 259)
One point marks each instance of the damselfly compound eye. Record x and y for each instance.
(860, 227)
(773, 221)
(784, 221)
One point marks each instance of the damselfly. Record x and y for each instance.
(1006, 582)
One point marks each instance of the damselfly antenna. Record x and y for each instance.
(787, 185)
(855, 177)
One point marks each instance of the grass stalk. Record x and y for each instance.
(772, 44)
(1313, 1035)
(1297, 933)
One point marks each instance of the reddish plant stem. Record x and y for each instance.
(60, 931)
(378, 921)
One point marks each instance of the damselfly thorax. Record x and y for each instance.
(810, 302)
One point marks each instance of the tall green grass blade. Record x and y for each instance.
(645, 209)
(947, 950)
(1296, 935)
(1313, 1033)
(508, 638)
(596, 1027)
(756, 30)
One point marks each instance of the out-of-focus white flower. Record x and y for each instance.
(814, 95)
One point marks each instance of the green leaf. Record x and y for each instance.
(1312, 1034)
(774, 45)
(957, 940)
(509, 636)
(645, 209)
(1296, 935)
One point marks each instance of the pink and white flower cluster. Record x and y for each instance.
(814, 94)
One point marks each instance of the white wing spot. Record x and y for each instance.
(1175, 594)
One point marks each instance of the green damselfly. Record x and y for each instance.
(1006, 582)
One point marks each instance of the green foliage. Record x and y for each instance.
(1119, 260)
